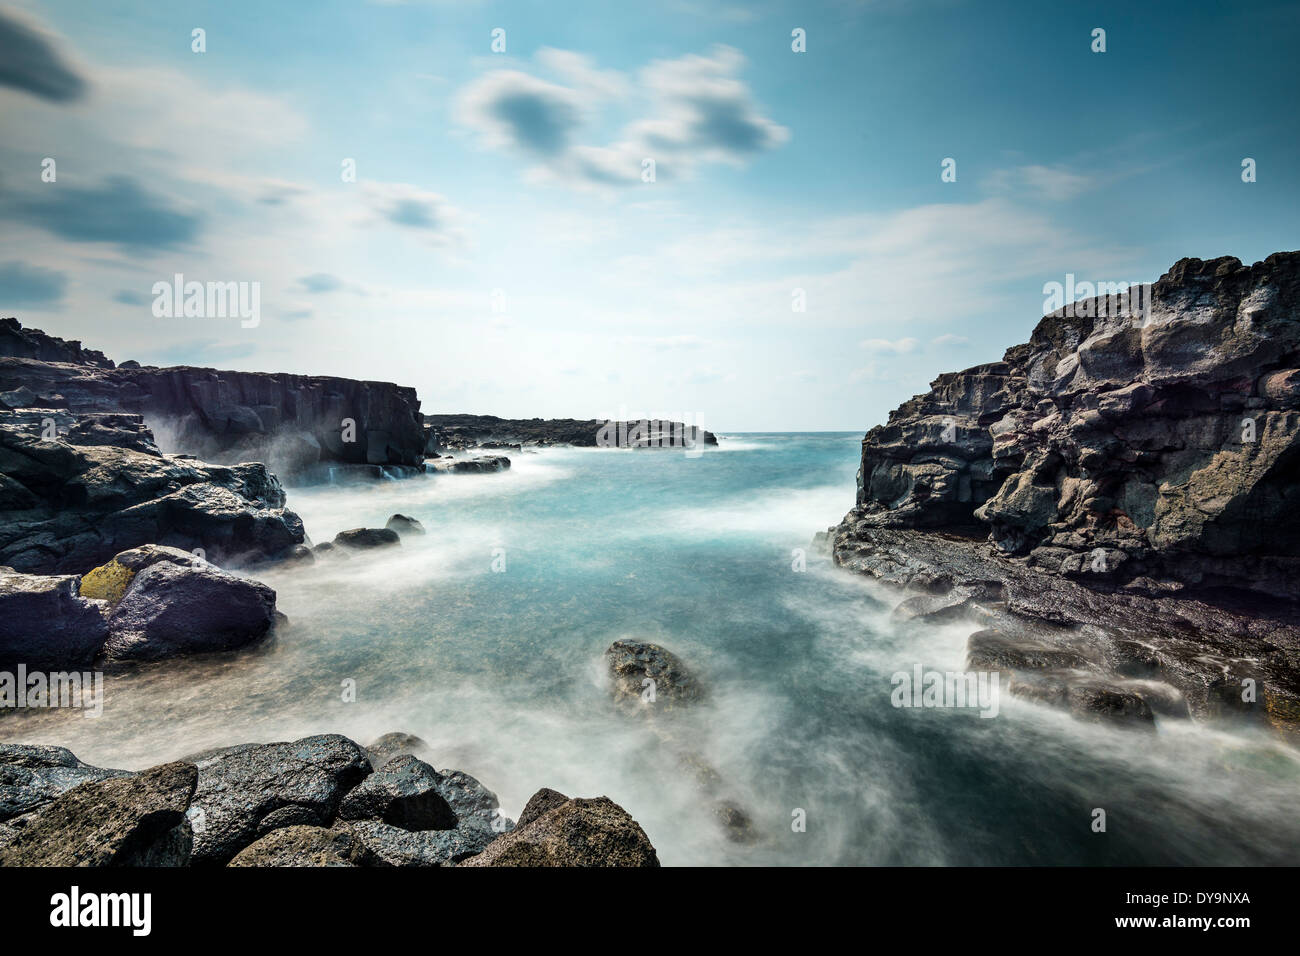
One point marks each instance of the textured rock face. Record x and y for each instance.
(632, 663)
(468, 431)
(578, 832)
(290, 422)
(404, 793)
(247, 791)
(32, 776)
(46, 624)
(1127, 479)
(361, 538)
(1158, 447)
(74, 506)
(306, 846)
(129, 821)
(173, 610)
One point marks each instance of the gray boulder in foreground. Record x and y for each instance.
(32, 776)
(578, 832)
(298, 846)
(46, 624)
(171, 610)
(129, 821)
(404, 793)
(245, 792)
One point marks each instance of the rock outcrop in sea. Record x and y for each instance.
(295, 424)
(1114, 502)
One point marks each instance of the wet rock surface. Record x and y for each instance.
(291, 422)
(76, 506)
(578, 832)
(137, 820)
(1124, 482)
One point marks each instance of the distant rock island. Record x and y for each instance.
(1116, 500)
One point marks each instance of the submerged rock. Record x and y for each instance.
(171, 610)
(395, 744)
(404, 525)
(578, 832)
(359, 538)
(130, 821)
(647, 675)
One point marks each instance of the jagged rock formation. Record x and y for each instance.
(488, 431)
(289, 422)
(69, 502)
(317, 801)
(1134, 469)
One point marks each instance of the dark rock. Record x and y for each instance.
(88, 503)
(330, 552)
(367, 538)
(404, 793)
(476, 806)
(295, 846)
(1132, 470)
(393, 846)
(247, 791)
(579, 832)
(542, 801)
(468, 431)
(129, 821)
(32, 776)
(483, 464)
(404, 525)
(288, 421)
(46, 624)
(170, 610)
(395, 744)
(632, 663)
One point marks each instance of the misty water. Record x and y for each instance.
(501, 672)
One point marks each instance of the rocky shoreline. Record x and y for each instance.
(318, 801)
(1111, 506)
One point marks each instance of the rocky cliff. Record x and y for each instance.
(290, 422)
(1135, 466)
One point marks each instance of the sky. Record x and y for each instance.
(797, 261)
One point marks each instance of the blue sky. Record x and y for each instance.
(520, 173)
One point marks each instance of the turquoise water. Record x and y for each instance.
(501, 672)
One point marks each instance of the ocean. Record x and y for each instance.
(485, 637)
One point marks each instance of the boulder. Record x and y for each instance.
(578, 832)
(395, 744)
(84, 504)
(137, 820)
(32, 776)
(171, 610)
(632, 663)
(245, 792)
(404, 525)
(404, 793)
(476, 806)
(392, 846)
(359, 538)
(46, 624)
(109, 582)
(543, 801)
(298, 846)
